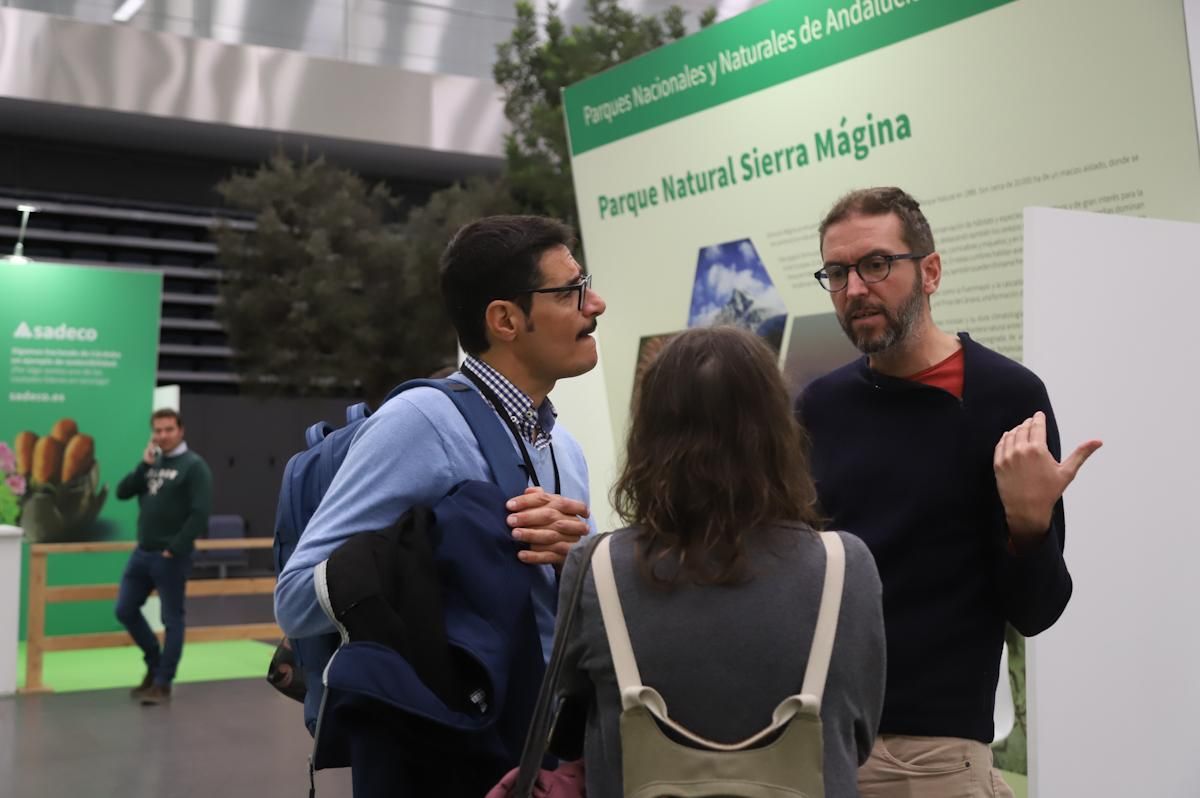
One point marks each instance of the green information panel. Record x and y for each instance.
(76, 384)
(703, 169)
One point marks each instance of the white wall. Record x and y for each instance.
(1110, 325)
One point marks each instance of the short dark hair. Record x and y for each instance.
(495, 258)
(166, 412)
(880, 201)
(714, 455)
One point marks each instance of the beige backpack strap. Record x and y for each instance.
(827, 616)
(629, 680)
(614, 619)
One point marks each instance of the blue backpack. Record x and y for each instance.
(310, 472)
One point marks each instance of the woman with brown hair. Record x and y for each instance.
(720, 573)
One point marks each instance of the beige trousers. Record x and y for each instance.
(901, 766)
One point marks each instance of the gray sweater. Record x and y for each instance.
(724, 656)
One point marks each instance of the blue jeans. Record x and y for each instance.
(146, 571)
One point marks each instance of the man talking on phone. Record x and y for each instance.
(173, 486)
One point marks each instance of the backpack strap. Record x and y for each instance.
(537, 738)
(624, 663)
(357, 411)
(629, 680)
(494, 400)
(493, 439)
(327, 462)
(827, 616)
(316, 433)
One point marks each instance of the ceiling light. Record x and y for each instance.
(18, 255)
(127, 10)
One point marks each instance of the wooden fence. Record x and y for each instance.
(40, 594)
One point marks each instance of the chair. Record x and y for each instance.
(223, 527)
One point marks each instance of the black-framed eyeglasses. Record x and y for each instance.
(582, 286)
(834, 277)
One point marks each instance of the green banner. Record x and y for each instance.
(77, 381)
(764, 47)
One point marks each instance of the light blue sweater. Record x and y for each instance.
(411, 452)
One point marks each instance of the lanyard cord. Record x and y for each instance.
(490, 395)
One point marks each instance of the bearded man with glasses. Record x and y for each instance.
(943, 456)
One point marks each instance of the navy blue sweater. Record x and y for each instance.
(908, 468)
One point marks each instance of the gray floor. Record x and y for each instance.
(215, 740)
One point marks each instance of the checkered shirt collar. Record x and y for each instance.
(534, 424)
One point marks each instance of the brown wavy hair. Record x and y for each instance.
(714, 455)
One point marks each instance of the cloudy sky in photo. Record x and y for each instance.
(723, 268)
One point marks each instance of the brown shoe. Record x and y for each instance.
(146, 684)
(156, 694)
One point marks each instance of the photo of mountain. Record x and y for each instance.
(732, 287)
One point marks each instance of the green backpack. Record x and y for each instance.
(788, 766)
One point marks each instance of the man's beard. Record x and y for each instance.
(897, 326)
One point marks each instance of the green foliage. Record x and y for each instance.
(533, 67)
(10, 509)
(331, 293)
(318, 297)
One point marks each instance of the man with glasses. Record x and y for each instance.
(524, 312)
(943, 456)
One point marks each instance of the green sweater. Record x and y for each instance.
(174, 498)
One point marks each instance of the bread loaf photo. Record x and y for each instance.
(79, 457)
(24, 450)
(47, 461)
(64, 429)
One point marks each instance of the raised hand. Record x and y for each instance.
(150, 454)
(1029, 479)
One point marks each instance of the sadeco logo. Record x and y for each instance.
(60, 333)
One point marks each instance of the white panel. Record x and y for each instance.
(10, 600)
(167, 396)
(1114, 696)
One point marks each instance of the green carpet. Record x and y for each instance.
(104, 668)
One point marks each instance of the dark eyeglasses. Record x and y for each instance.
(583, 286)
(834, 277)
